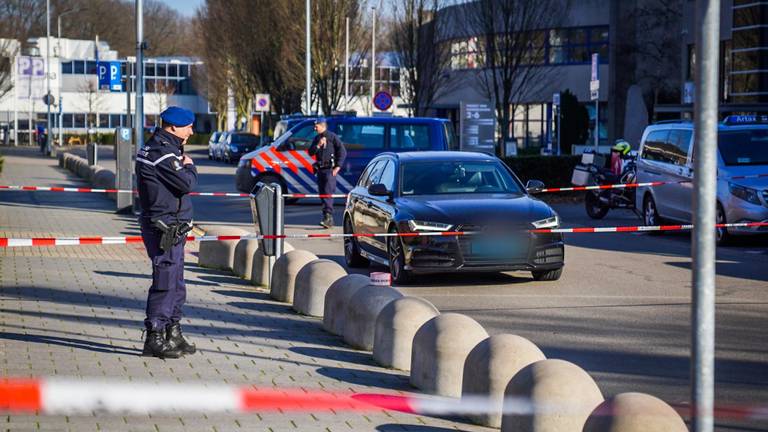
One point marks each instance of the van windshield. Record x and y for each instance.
(744, 147)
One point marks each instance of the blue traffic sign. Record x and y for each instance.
(110, 76)
(382, 100)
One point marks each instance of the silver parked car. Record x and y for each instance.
(666, 154)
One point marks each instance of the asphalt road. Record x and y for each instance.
(621, 310)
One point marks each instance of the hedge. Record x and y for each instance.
(554, 171)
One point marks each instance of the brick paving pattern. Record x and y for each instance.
(77, 311)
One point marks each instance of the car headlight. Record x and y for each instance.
(233, 148)
(243, 162)
(550, 222)
(745, 193)
(416, 225)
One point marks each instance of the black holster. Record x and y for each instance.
(172, 233)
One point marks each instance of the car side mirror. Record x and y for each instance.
(378, 189)
(534, 186)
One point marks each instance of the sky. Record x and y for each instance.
(185, 7)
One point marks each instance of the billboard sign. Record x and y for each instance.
(477, 126)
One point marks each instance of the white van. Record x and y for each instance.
(666, 154)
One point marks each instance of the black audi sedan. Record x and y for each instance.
(433, 192)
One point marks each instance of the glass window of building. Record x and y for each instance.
(173, 70)
(149, 69)
(68, 120)
(79, 121)
(161, 70)
(183, 70)
(114, 120)
(79, 66)
(103, 121)
(66, 68)
(90, 67)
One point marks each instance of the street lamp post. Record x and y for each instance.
(58, 53)
(48, 76)
(308, 63)
(373, 59)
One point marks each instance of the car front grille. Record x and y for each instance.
(513, 237)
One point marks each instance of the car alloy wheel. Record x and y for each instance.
(397, 259)
(352, 248)
(722, 237)
(650, 215)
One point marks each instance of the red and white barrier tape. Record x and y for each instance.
(314, 195)
(93, 190)
(300, 195)
(66, 397)
(6, 242)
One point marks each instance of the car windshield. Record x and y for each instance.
(744, 147)
(457, 177)
(245, 139)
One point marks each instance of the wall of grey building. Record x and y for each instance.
(465, 85)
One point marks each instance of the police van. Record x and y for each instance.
(286, 161)
(667, 152)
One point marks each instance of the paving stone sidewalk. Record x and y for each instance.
(77, 312)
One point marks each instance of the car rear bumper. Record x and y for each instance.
(425, 255)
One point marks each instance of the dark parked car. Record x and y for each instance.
(238, 144)
(449, 191)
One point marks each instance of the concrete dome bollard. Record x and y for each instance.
(439, 351)
(634, 412)
(284, 272)
(336, 299)
(361, 313)
(260, 266)
(490, 366)
(242, 264)
(312, 282)
(396, 326)
(564, 392)
(219, 254)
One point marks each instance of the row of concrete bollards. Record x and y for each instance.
(447, 354)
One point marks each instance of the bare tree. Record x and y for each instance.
(425, 58)
(512, 34)
(657, 46)
(164, 90)
(328, 46)
(94, 103)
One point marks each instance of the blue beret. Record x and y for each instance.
(177, 116)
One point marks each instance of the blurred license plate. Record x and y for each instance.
(494, 247)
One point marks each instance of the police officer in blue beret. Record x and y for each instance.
(165, 177)
(330, 154)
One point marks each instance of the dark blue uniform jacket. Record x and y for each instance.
(163, 181)
(330, 156)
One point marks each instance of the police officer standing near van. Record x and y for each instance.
(165, 177)
(330, 154)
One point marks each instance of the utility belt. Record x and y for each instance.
(173, 233)
(323, 165)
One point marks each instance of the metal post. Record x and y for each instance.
(557, 126)
(139, 88)
(373, 58)
(15, 100)
(48, 77)
(308, 63)
(58, 49)
(346, 66)
(704, 210)
(597, 125)
(279, 225)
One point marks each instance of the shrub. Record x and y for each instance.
(554, 171)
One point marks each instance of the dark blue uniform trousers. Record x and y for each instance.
(326, 184)
(168, 291)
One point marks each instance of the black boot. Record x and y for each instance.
(177, 340)
(327, 220)
(155, 345)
